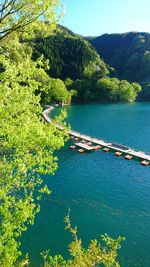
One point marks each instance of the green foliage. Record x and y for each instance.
(69, 55)
(105, 90)
(128, 53)
(56, 91)
(50, 89)
(20, 15)
(96, 254)
(27, 149)
(114, 90)
(68, 82)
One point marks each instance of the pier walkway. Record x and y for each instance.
(125, 150)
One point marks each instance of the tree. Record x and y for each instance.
(59, 91)
(112, 89)
(55, 91)
(137, 87)
(68, 82)
(27, 142)
(96, 254)
(69, 56)
(27, 145)
(127, 91)
(108, 89)
(17, 15)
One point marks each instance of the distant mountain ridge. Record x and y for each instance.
(128, 53)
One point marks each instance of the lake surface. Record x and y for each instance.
(105, 194)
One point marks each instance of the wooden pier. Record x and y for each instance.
(84, 146)
(85, 139)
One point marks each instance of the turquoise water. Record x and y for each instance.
(106, 194)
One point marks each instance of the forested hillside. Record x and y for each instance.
(74, 65)
(69, 55)
(128, 53)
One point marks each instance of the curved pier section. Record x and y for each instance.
(87, 143)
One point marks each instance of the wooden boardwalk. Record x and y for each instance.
(84, 146)
(112, 146)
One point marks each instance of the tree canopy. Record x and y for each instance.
(104, 90)
(96, 254)
(69, 55)
(17, 15)
(27, 143)
(27, 146)
(56, 91)
(128, 53)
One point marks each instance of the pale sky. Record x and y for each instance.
(95, 17)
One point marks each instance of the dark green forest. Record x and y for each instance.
(73, 71)
(75, 62)
(129, 54)
(69, 56)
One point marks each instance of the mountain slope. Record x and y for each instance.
(69, 55)
(128, 53)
